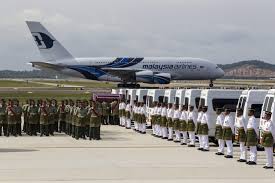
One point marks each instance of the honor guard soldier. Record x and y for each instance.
(33, 118)
(44, 119)
(164, 121)
(3, 118)
(228, 131)
(191, 125)
(18, 110)
(105, 113)
(204, 128)
(52, 116)
(176, 123)
(114, 113)
(252, 137)
(74, 118)
(170, 114)
(122, 107)
(128, 111)
(183, 125)
(68, 116)
(11, 119)
(61, 116)
(95, 122)
(158, 121)
(267, 140)
(240, 134)
(198, 127)
(143, 118)
(219, 131)
(153, 114)
(135, 116)
(25, 115)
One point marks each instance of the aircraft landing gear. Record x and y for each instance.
(128, 85)
(211, 84)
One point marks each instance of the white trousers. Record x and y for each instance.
(123, 120)
(128, 123)
(154, 129)
(164, 132)
(136, 125)
(229, 145)
(120, 120)
(243, 150)
(269, 156)
(170, 133)
(253, 154)
(143, 127)
(177, 133)
(159, 131)
(139, 127)
(221, 146)
(200, 141)
(184, 137)
(205, 142)
(192, 138)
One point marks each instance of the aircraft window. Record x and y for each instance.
(150, 101)
(197, 101)
(225, 103)
(144, 98)
(258, 108)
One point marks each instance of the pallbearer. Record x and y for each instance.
(191, 125)
(240, 134)
(228, 131)
(267, 140)
(176, 123)
(128, 111)
(198, 127)
(164, 121)
(105, 113)
(170, 115)
(25, 115)
(252, 137)
(204, 128)
(219, 131)
(183, 125)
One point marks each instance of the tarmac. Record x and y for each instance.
(121, 156)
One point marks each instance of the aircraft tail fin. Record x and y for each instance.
(49, 47)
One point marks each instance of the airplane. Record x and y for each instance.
(128, 71)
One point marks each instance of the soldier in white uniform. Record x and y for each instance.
(139, 117)
(204, 128)
(198, 127)
(252, 137)
(218, 131)
(183, 125)
(158, 121)
(267, 140)
(143, 118)
(240, 134)
(170, 115)
(135, 116)
(164, 121)
(176, 117)
(228, 131)
(153, 114)
(191, 125)
(128, 110)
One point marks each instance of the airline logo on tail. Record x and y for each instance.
(42, 40)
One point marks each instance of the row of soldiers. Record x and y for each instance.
(182, 124)
(80, 119)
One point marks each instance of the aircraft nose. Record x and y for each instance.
(220, 73)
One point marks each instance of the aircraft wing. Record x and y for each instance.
(45, 65)
(123, 73)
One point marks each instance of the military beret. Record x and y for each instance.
(268, 113)
(251, 109)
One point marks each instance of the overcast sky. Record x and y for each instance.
(223, 31)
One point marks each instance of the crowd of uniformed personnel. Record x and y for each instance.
(79, 119)
(181, 124)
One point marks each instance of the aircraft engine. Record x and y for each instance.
(153, 78)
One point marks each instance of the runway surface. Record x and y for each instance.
(121, 156)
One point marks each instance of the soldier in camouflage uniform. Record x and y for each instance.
(18, 114)
(44, 119)
(52, 117)
(68, 117)
(114, 120)
(105, 113)
(3, 118)
(61, 117)
(25, 115)
(87, 119)
(74, 118)
(11, 119)
(32, 118)
(95, 122)
(81, 117)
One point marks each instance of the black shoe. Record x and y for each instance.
(252, 163)
(219, 153)
(190, 145)
(241, 160)
(228, 156)
(170, 139)
(176, 141)
(200, 149)
(205, 150)
(143, 132)
(268, 167)
(183, 144)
